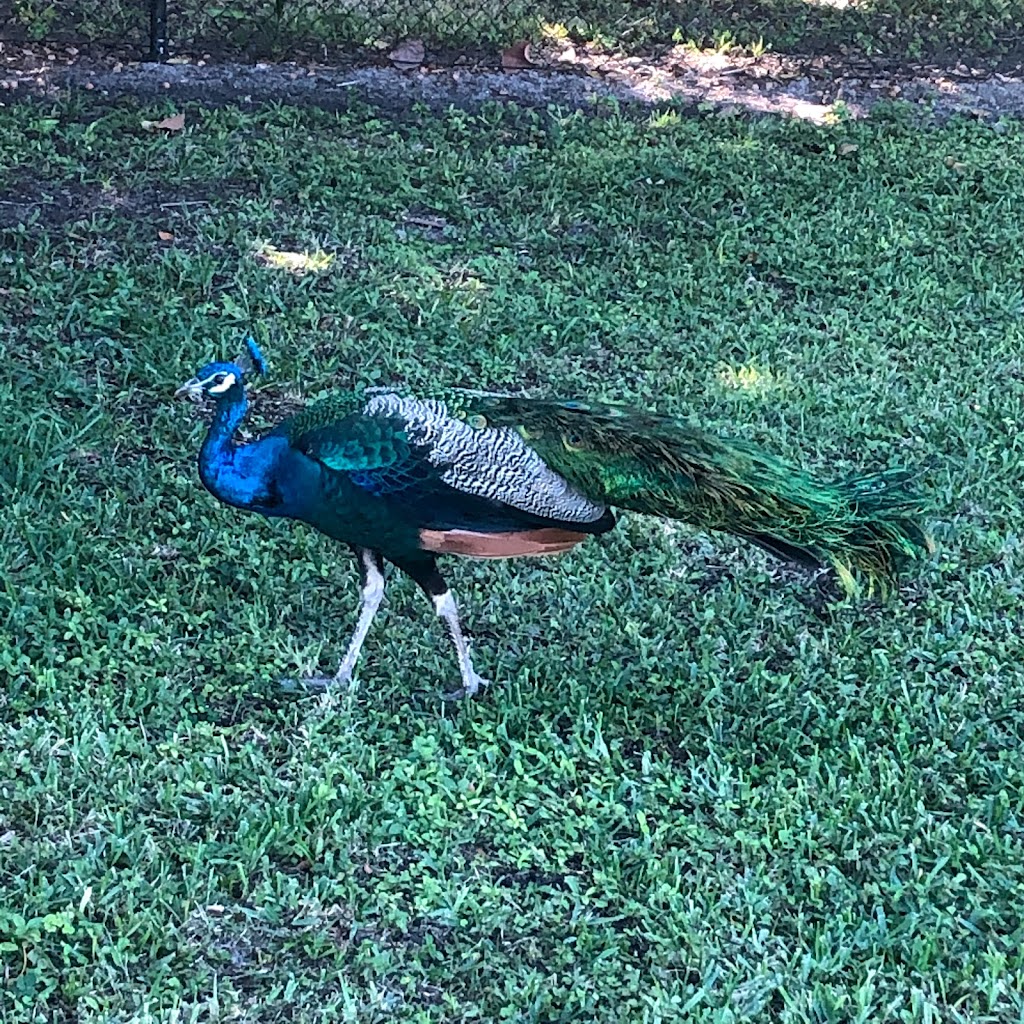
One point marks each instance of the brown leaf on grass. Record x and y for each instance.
(174, 123)
(165, 236)
(955, 165)
(408, 54)
(847, 148)
(517, 57)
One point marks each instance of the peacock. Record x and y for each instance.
(403, 480)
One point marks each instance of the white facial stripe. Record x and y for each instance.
(219, 389)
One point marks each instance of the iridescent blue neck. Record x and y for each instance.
(217, 456)
(255, 476)
(230, 412)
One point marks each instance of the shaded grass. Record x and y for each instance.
(978, 31)
(698, 790)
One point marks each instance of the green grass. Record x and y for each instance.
(696, 792)
(979, 31)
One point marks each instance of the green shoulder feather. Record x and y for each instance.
(374, 451)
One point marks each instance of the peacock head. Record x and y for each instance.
(221, 380)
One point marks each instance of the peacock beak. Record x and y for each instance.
(192, 389)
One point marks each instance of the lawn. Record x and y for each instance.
(701, 789)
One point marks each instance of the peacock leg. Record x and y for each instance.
(371, 593)
(433, 585)
(444, 605)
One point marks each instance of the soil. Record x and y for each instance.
(806, 87)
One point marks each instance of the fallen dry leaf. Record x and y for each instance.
(165, 236)
(174, 123)
(517, 57)
(955, 165)
(408, 54)
(847, 148)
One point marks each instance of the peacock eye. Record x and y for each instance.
(477, 422)
(572, 441)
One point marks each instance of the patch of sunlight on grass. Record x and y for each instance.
(554, 31)
(297, 263)
(750, 379)
(462, 280)
(741, 146)
(665, 119)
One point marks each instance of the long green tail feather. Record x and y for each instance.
(863, 526)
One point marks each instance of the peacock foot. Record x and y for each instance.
(468, 689)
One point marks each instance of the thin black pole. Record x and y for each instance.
(158, 30)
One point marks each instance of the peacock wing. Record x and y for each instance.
(492, 465)
(437, 467)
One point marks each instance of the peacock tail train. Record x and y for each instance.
(861, 526)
